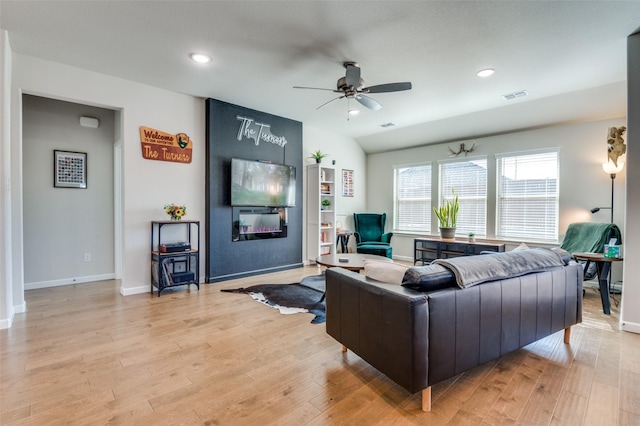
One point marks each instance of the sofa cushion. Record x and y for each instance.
(428, 278)
(388, 272)
(472, 270)
(564, 255)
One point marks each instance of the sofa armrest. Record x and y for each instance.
(385, 324)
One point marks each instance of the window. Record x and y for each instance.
(527, 196)
(469, 180)
(413, 198)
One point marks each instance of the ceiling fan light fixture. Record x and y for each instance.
(200, 58)
(487, 72)
(354, 112)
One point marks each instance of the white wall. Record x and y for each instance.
(6, 291)
(630, 315)
(583, 183)
(61, 225)
(147, 185)
(347, 154)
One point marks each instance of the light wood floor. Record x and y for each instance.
(83, 354)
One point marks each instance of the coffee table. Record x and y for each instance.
(354, 261)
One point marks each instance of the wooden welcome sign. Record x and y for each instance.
(161, 146)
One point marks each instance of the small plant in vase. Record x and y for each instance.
(447, 215)
(318, 156)
(175, 212)
(325, 204)
(472, 237)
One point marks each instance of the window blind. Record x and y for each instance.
(469, 180)
(412, 198)
(528, 196)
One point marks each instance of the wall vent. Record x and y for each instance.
(518, 94)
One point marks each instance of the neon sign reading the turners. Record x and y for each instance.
(258, 131)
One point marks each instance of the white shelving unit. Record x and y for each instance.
(321, 220)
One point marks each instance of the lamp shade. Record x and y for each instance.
(611, 168)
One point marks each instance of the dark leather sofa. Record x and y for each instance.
(418, 339)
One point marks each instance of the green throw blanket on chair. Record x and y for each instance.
(589, 237)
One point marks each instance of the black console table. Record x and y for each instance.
(426, 250)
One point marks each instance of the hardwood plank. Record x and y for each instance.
(602, 409)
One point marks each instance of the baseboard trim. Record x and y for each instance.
(21, 308)
(632, 327)
(68, 281)
(128, 291)
(6, 323)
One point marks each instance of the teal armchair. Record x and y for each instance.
(370, 236)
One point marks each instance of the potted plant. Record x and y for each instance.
(448, 216)
(472, 237)
(318, 156)
(325, 204)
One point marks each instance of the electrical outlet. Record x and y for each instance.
(87, 257)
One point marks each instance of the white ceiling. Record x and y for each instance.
(569, 55)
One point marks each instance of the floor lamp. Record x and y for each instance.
(610, 168)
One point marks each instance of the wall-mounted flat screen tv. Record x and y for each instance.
(258, 183)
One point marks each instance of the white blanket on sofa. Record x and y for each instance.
(472, 270)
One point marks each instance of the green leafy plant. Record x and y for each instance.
(318, 155)
(448, 212)
(326, 203)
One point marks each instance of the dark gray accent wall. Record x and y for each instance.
(228, 259)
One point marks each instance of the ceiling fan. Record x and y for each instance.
(352, 86)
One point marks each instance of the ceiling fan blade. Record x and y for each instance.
(315, 88)
(353, 76)
(327, 103)
(369, 102)
(389, 87)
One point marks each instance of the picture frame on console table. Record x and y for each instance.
(69, 169)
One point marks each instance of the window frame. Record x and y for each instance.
(535, 237)
(429, 199)
(445, 194)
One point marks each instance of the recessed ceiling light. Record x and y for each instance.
(486, 72)
(200, 58)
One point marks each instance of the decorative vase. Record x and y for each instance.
(318, 160)
(447, 233)
(176, 217)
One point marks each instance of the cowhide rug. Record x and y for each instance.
(305, 296)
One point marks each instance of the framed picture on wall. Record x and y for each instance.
(69, 169)
(347, 183)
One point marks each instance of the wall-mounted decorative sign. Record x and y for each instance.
(347, 183)
(161, 146)
(615, 143)
(69, 169)
(251, 129)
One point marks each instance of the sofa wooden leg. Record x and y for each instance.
(426, 399)
(567, 335)
(344, 348)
